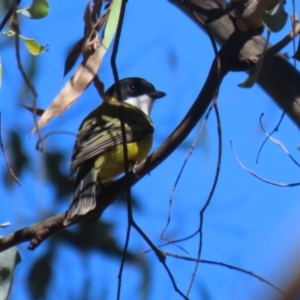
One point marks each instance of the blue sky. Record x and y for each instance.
(249, 224)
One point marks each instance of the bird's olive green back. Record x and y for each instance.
(101, 129)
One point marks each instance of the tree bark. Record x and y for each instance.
(278, 78)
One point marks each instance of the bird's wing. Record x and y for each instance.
(104, 131)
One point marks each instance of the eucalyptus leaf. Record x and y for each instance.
(112, 23)
(33, 46)
(37, 10)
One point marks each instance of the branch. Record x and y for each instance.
(227, 60)
(221, 264)
(277, 76)
(40, 231)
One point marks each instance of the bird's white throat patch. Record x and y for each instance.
(143, 102)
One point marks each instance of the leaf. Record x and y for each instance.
(36, 110)
(275, 19)
(112, 23)
(93, 54)
(33, 46)
(73, 88)
(72, 56)
(8, 261)
(77, 48)
(37, 10)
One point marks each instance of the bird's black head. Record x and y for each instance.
(134, 87)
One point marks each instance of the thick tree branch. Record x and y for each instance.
(277, 77)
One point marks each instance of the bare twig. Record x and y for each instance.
(125, 150)
(190, 152)
(9, 14)
(161, 257)
(272, 132)
(202, 211)
(221, 264)
(259, 177)
(278, 143)
(52, 133)
(15, 26)
(131, 221)
(219, 129)
(12, 174)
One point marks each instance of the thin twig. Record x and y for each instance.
(52, 133)
(207, 203)
(125, 150)
(5, 158)
(269, 135)
(161, 257)
(259, 177)
(221, 264)
(269, 54)
(9, 14)
(219, 129)
(190, 152)
(278, 143)
(15, 26)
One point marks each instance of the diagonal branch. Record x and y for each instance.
(277, 77)
(40, 231)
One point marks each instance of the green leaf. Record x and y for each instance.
(112, 23)
(37, 10)
(33, 46)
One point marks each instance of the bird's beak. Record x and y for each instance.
(157, 94)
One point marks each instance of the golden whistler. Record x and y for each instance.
(98, 151)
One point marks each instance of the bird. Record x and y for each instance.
(98, 156)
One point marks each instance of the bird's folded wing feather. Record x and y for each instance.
(100, 135)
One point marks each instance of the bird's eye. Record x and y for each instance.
(132, 88)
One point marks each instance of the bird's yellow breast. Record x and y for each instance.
(111, 162)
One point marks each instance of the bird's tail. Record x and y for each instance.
(84, 195)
